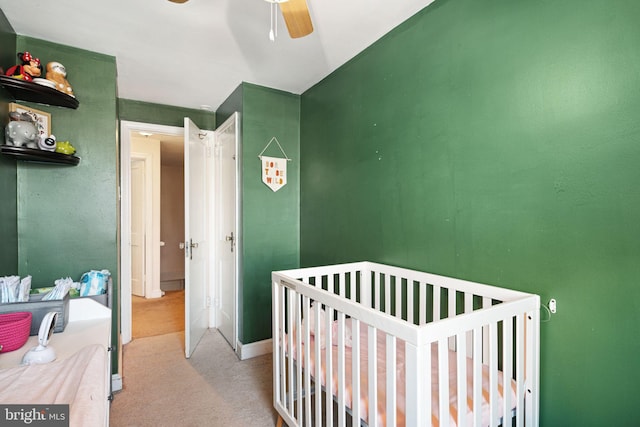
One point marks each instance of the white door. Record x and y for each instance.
(196, 245)
(138, 255)
(226, 235)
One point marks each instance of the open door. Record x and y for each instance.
(226, 230)
(196, 245)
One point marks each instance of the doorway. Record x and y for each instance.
(158, 150)
(213, 298)
(157, 308)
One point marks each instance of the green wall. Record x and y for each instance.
(167, 115)
(67, 215)
(232, 104)
(270, 221)
(8, 168)
(497, 141)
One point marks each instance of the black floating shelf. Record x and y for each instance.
(35, 155)
(22, 90)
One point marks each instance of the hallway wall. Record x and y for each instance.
(171, 226)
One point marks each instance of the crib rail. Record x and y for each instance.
(480, 333)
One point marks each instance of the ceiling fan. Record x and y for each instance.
(295, 14)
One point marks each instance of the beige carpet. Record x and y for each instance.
(157, 316)
(212, 388)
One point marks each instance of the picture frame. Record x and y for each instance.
(41, 119)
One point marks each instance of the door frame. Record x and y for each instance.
(126, 128)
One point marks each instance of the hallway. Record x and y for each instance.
(157, 316)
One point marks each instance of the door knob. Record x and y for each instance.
(188, 248)
(230, 239)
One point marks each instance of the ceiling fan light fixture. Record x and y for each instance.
(273, 32)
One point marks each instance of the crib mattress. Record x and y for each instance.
(401, 381)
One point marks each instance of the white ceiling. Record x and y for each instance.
(197, 53)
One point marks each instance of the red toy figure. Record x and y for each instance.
(29, 69)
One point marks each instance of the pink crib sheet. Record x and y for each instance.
(401, 381)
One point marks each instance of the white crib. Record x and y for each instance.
(401, 340)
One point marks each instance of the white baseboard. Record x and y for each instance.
(254, 349)
(155, 293)
(116, 382)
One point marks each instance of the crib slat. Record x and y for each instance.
(423, 302)
(391, 380)
(410, 307)
(417, 382)
(436, 302)
(341, 372)
(428, 393)
(387, 294)
(461, 362)
(298, 338)
(451, 312)
(520, 343)
(507, 366)
(493, 374)
(398, 310)
(329, 365)
(532, 364)
(477, 376)
(355, 370)
(331, 286)
(353, 286)
(318, 368)
(277, 344)
(290, 316)
(468, 308)
(372, 374)
(377, 290)
(443, 382)
(307, 360)
(365, 289)
(486, 303)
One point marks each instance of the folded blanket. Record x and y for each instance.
(79, 381)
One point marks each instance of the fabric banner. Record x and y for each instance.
(274, 172)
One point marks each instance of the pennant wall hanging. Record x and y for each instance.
(274, 169)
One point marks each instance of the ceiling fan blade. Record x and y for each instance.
(296, 16)
(178, 1)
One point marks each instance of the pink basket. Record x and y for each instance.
(14, 330)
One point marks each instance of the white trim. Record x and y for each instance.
(116, 382)
(126, 127)
(255, 349)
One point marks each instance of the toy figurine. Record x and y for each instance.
(21, 131)
(58, 75)
(48, 143)
(65, 147)
(29, 68)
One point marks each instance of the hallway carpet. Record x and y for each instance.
(212, 388)
(157, 316)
